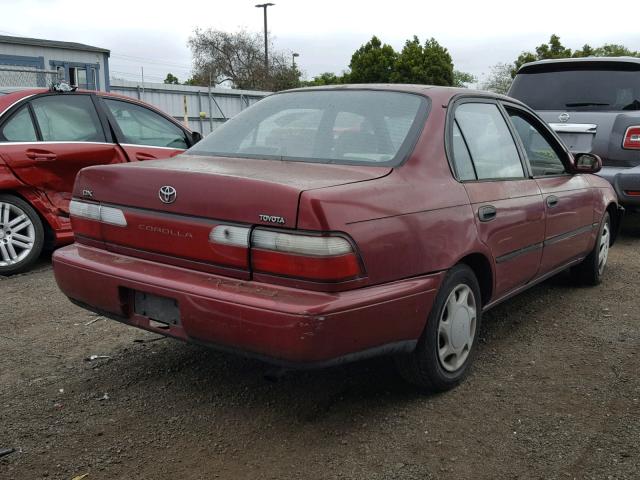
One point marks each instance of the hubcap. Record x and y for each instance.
(603, 253)
(457, 328)
(17, 234)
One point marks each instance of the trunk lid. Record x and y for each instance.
(208, 191)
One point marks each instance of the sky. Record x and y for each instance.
(154, 34)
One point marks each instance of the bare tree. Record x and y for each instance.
(238, 58)
(499, 80)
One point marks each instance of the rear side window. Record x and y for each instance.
(67, 118)
(488, 142)
(543, 158)
(19, 128)
(142, 126)
(323, 126)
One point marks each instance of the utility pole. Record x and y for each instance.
(266, 41)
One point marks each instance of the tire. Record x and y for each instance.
(429, 366)
(591, 269)
(21, 235)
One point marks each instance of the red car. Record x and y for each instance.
(326, 225)
(46, 137)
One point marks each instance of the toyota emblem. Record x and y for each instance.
(564, 117)
(167, 194)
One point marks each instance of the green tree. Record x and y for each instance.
(373, 62)
(461, 79)
(171, 79)
(428, 64)
(499, 80)
(326, 78)
(613, 50)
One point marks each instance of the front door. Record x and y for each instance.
(50, 138)
(568, 199)
(507, 205)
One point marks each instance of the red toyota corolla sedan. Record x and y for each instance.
(328, 225)
(46, 137)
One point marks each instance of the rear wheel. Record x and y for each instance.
(21, 235)
(591, 269)
(445, 350)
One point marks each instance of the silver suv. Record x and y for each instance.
(593, 104)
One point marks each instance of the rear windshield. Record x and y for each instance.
(326, 126)
(585, 89)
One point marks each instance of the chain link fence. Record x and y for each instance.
(26, 77)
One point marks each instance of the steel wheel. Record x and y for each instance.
(457, 328)
(17, 234)
(603, 252)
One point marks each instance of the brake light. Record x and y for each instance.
(633, 193)
(86, 217)
(632, 138)
(230, 245)
(330, 258)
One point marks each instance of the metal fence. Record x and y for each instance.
(26, 77)
(204, 108)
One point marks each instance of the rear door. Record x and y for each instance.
(568, 198)
(143, 133)
(50, 138)
(507, 204)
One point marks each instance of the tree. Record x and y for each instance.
(238, 58)
(499, 80)
(461, 79)
(326, 78)
(555, 49)
(171, 79)
(429, 64)
(373, 62)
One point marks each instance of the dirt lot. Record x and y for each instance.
(555, 393)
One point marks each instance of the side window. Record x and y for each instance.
(491, 146)
(542, 156)
(67, 118)
(142, 126)
(461, 157)
(19, 128)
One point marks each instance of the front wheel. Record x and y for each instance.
(21, 235)
(591, 269)
(445, 350)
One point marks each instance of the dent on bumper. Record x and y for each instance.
(280, 324)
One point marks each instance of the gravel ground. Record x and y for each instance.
(554, 393)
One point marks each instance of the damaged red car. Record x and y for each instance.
(46, 137)
(327, 225)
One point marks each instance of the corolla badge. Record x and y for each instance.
(167, 194)
(564, 117)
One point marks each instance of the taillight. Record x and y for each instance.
(632, 138)
(329, 258)
(86, 217)
(230, 245)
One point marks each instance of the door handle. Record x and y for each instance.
(552, 201)
(487, 213)
(40, 156)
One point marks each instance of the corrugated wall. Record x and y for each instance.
(221, 104)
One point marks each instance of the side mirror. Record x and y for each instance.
(195, 137)
(587, 163)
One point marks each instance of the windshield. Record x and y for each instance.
(327, 126)
(592, 89)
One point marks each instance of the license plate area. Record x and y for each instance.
(159, 309)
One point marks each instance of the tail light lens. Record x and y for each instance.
(86, 217)
(328, 259)
(230, 245)
(632, 138)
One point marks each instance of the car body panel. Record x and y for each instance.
(409, 225)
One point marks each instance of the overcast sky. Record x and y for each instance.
(478, 34)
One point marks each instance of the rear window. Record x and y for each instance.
(327, 126)
(608, 87)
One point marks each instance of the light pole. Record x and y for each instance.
(294, 55)
(266, 43)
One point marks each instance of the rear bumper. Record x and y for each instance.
(287, 326)
(623, 181)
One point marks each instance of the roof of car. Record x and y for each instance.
(581, 60)
(41, 42)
